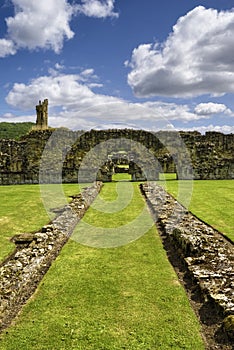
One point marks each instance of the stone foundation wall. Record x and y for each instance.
(34, 253)
(207, 254)
(189, 154)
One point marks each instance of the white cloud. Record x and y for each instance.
(210, 108)
(87, 72)
(46, 24)
(196, 58)
(40, 24)
(59, 66)
(97, 8)
(72, 99)
(94, 85)
(14, 118)
(88, 75)
(173, 111)
(63, 90)
(7, 48)
(7, 115)
(225, 129)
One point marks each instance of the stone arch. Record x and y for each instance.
(190, 154)
(125, 148)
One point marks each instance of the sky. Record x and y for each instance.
(119, 63)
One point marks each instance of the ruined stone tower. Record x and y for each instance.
(42, 115)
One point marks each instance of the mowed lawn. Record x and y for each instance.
(127, 297)
(22, 210)
(212, 201)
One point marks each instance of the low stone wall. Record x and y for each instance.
(34, 253)
(207, 254)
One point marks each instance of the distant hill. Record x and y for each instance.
(14, 130)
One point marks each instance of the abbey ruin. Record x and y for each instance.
(143, 154)
(47, 155)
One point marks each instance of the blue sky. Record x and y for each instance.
(124, 63)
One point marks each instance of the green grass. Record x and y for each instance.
(121, 177)
(126, 297)
(167, 176)
(117, 210)
(22, 210)
(212, 201)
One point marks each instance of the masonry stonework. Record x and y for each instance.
(142, 154)
(42, 115)
(206, 254)
(188, 154)
(22, 271)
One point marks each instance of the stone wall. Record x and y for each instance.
(42, 115)
(189, 154)
(207, 254)
(34, 253)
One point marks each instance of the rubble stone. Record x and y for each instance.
(228, 324)
(23, 270)
(207, 254)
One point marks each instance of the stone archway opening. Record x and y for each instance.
(126, 166)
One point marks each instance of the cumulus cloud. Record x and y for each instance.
(7, 47)
(97, 8)
(46, 24)
(225, 129)
(71, 99)
(40, 24)
(8, 115)
(196, 58)
(211, 108)
(173, 111)
(69, 91)
(15, 118)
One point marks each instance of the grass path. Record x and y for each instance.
(126, 297)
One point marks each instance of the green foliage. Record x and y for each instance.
(14, 130)
(127, 297)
